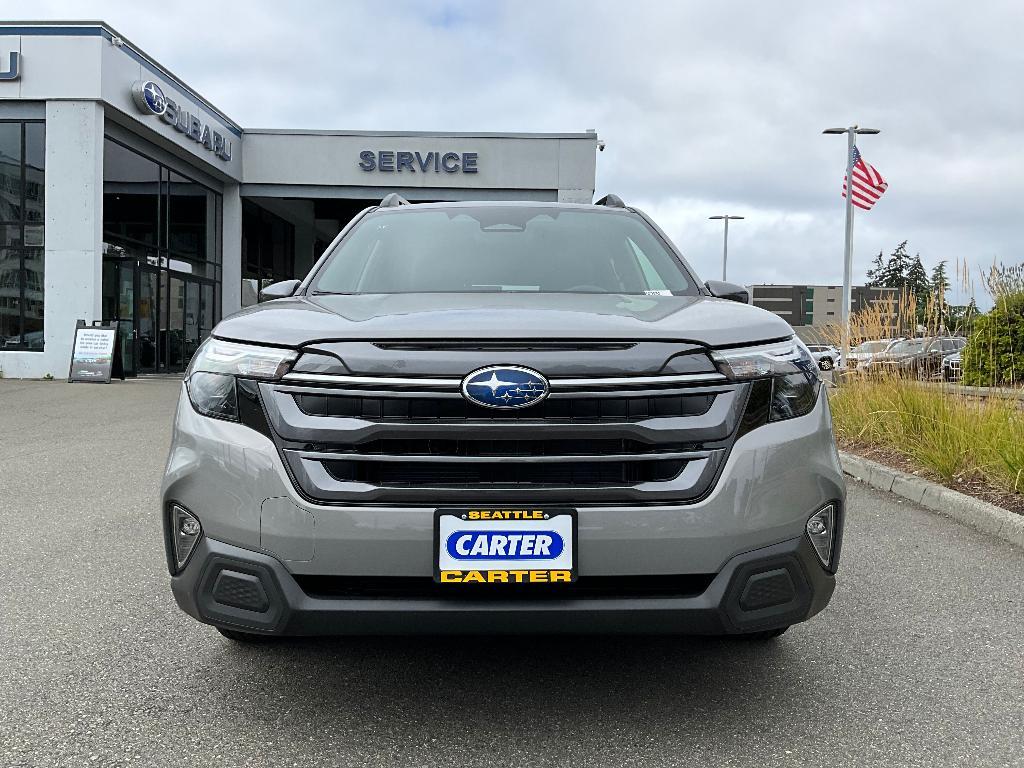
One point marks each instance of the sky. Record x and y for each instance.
(705, 108)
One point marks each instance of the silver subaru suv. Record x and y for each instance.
(502, 417)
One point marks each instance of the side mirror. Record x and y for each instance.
(279, 290)
(730, 291)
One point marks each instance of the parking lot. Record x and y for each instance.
(918, 661)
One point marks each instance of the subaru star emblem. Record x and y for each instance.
(504, 386)
(149, 97)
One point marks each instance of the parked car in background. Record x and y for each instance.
(866, 351)
(919, 358)
(928, 365)
(825, 355)
(951, 366)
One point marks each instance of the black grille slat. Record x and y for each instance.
(462, 448)
(440, 408)
(454, 474)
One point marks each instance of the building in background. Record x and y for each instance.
(127, 196)
(810, 309)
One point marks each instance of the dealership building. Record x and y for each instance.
(126, 196)
(814, 311)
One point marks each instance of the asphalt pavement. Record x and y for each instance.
(918, 661)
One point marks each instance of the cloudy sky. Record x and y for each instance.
(705, 107)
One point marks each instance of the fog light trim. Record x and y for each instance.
(821, 530)
(186, 530)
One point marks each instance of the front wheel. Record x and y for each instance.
(826, 364)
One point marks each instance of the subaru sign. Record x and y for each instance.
(13, 67)
(149, 98)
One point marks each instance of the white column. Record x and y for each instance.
(73, 265)
(305, 239)
(231, 268)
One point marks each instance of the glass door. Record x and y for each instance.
(119, 306)
(126, 315)
(147, 321)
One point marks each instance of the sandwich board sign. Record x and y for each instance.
(95, 354)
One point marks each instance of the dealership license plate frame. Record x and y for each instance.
(462, 513)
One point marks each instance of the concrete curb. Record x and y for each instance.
(986, 517)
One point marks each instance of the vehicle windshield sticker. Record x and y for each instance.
(657, 293)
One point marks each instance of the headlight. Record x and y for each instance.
(780, 358)
(788, 365)
(217, 356)
(212, 378)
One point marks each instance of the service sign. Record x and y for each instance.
(92, 356)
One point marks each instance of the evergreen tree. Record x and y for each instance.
(877, 271)
(918, 286)
(940, 283)
(894, 273)
(940, 286)
(898, 267)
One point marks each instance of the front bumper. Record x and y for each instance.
(762, 589)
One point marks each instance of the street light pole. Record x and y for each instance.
(725, 243)
(851, 142)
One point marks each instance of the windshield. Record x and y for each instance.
(905, 347)
(872, 346)
(503, 249)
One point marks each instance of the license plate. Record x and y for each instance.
(487, 545)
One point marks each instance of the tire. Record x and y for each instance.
(243, 637)
(825, 364)
(761, 637)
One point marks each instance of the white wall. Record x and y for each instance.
(73, 232)
(231, 271)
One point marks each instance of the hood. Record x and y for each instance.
(299, 320)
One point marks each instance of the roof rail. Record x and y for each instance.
(393, 200)
(611, 201)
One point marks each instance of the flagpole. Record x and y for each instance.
(851, 143)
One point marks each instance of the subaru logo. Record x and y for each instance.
(149, 97)
(500, 386)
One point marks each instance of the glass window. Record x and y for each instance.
(10, 172)
(35, 158)
(503, 248)
(10, 297)
(22, 190)
(268, 250)
(131, 194)
(171, 226)
(190, 214)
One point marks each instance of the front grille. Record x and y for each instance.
(454, 474)
(415, 441)
(424, 587)
(456, 408)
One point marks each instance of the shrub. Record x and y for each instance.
(995, 352)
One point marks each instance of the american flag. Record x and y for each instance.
(868, 184)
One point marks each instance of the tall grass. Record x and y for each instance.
(952, 435)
